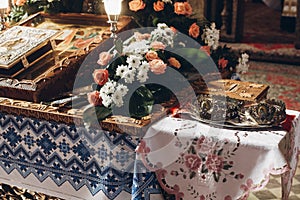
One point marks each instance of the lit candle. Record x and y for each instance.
(112, 7)
(113, 10)
(3, 4)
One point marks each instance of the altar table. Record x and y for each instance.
(175, 158)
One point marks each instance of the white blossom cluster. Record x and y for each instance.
(211, 36)
(137, 47)
(163, 34)
(243, 65)
(167, 1)
(112, 92)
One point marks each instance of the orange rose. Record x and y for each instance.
(157, 66)
(194, 30)
(94, 98)
(136, 5)
(222, 63)
(173, 29)
(206, 49)
(158, 6)
(179, 8)
(19, 2)
(151, 55)
(174, 62)
(188, 8)
(157, 45)
(104, 58)
(100, 76)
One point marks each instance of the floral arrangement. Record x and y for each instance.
(178, 14)
(21, 9)
(146, 56)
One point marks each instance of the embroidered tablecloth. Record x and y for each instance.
(72, 163)
(176, 158)
(193, 160)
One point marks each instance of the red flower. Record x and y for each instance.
(192, 161)
(100, 76)
(222, 63)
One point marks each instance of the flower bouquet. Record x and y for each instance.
(178, 14)
(21, 9)
(150, 68)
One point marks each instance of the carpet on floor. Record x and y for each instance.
(283, 79)
(263, 38)
(269, 52)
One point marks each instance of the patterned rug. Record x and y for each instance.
(271, 52)
(283, 79)
(263, 38)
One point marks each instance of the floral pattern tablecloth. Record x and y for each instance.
(193, 160)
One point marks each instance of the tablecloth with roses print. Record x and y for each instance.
(193, 160)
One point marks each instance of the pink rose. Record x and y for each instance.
(214, 163)
(157, 66)
(136, 5)
(192, 161)
(100, 76)
(104, 58)
(157, 45)
(151, 55)
(94, 98)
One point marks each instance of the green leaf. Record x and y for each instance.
(119, 46)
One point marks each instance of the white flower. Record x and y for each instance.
(211, 36)
(163, 34)
(138, 47)
(167, 1)
(117, 98)
(162, 26)
(121, 70)
(134, 60)
(129, 76)
(243, 65)
(144, 66)
(106, 100)
(122, 89)
(108, 88)
(142, 76)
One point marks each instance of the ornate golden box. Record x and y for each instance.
(40, 56)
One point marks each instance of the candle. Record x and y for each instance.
(3, 4)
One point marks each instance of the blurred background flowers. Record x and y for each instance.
(21, 9)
